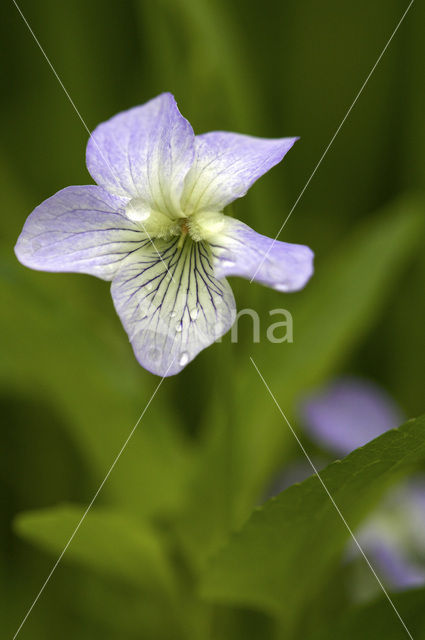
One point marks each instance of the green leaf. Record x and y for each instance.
(280, 558)
(108, 542)
(378, 620)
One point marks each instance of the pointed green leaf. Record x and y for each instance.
(280, 558)
(107, 542)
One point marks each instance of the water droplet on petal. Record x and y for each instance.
(137, 210)
(173, 314)
(194, 313)
(179, 327)
(184, 358)
(149, 286)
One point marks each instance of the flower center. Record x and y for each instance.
(199, 225)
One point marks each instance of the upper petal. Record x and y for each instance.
(171, 304)
(239, 251)
(226, 165)
(144, 152)
(80, 229)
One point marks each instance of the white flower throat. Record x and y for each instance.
(199, 225)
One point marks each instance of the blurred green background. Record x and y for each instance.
(212, 440)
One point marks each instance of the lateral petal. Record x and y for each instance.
(238, 250)
(81, 229)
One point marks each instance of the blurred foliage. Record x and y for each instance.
(211, 439)
(372, 620)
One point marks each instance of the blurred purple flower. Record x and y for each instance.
(154, 226)
(394, 536)
(347, 415)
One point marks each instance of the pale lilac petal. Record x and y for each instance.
(393, 537)
(171, 304)
(240, 251)
(226, 165)
(81, 229)
(349, 414)
(145, 153)
(398, 571)
(413, 501)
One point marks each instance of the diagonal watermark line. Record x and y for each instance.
(83, 123)
(322, 157)
(92, 501)
(350, 531)
(52, 68)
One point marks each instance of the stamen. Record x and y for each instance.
(184, 232)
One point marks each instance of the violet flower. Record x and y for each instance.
(154, 226)
(394, 536)
(347, 415)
